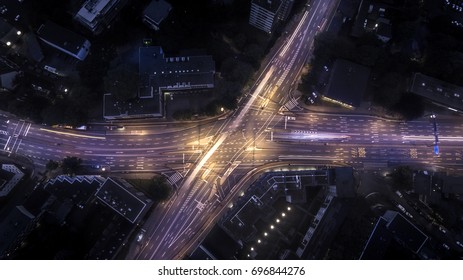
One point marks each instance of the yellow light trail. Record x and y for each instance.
(73, 134)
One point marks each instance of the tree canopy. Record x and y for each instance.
(71, 165)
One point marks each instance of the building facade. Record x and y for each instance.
(264, 14)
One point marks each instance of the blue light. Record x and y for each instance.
(436, 149)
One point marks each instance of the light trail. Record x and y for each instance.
(73, 134)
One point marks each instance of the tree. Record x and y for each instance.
(52, 165)
(410, 106)
(388, 91)
(402, 177)
(162, 188)
(71, 165)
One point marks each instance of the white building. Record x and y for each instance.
(96, 15)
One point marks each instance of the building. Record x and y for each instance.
(264, 220)
(7, 79)
(265, 14)
(373, 17)
(121, 197)
(10, 176)
(345, 13)
(452, 185)
(8, 34)
(161, 76)
(97, 15)
(64, 40)
(348, 83)
(394, 237)
(285, 11)
(20, 222)
(106, 209)
(428, 185)
(439, 92)
(155, 13)
(345, 185)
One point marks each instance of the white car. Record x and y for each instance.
(459, 244)
(442, 229)
(446, 246)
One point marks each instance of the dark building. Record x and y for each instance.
(64, 40)
(10, 175)
(345, 185)
(437, 91)
(161, 76)
(97, 213)
(394, 237)
(155, 13)
(122, 198)
(348, 83)
(264, 14)
(217, 245)
(20, 222)
(373, 17)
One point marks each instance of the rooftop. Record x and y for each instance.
(78, 189)
(13, 226)
(10, 175)
(116, 194)
(438, 91)
(452, 184)
(64, 40)
(157, 11)
(345, 182)
(93, 8)
(159, 74)
(402, 229)
(348, 82)
(96, 15)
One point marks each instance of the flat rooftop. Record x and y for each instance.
(157, 10)
(121, 200)
(64, 39)
(348, 82)
(439, 91)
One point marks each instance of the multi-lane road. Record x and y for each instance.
(206, 161)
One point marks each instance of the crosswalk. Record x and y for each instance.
(15, 133)
(290, 105)
(174, 178)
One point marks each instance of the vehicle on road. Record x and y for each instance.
(399, 194)
(442, 229)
